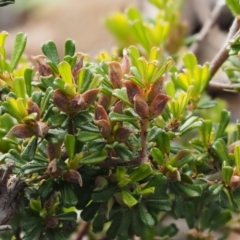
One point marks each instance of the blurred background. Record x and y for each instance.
(57, 20)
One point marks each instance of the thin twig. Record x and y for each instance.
(117, 162)
(221, 57)
(208, 25)
(82, 230)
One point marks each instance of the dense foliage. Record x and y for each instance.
(120, 142)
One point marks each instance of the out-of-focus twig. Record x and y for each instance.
(210, 22)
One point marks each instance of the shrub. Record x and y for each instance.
(120, 142)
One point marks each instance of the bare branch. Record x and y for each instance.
(208, 25)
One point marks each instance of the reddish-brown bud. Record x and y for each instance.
(158, 105)
(100, 113)
(53, 150)
(73, 176)
(155, 89)
(61, 100)
(105, 100)
(50, 202)
(100, 183)
(132, 90)
(235, 181)
(53, 169)
(42, 129)
(23, 131)
(51, 222)
(122, 134)
(76, 103)
(33, 108)
(118, 107)
(104, 127)
(42, 67)
(115, 74)
(125, 64)
(141, 106)
(90, 96)
(78, 65)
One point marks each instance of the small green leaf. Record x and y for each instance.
(69, 47)
(6, 2)
(104, 195)
(19, 88)
(121, 117)
(206, 130)
(121, 94)
(29, 151)
(140, 173)
(68, 216)
(50, 50)
(128, 199)
(223, 123)
(94, 157)
(190, 61)
(68, 196)
(28, 75)
(190, 190)
(36, 205)
(237, 155)
(19, 46)
(112, 231)
(98, 223)
(234, 6)
(89, 212)
(137, 225)
(33, 167)
(227, 172)
(215, 189)
(46, 188)
(85, 136)
(65, 71)
(220, 150)
(124, 225)
(157, 155)
(57, 120)
(69, 142)
(85, 77)
(159, 205)
(145, 216)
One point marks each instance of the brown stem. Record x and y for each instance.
(222, 55)
(144, 131)
(82, 230)
(117, 162)
(207, 26)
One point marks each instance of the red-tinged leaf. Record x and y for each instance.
(53, 150)
(118, 107)
(105, 100)
(76, 103)
(122, 134)
(234, 182)
(132, 90)
(73, 176)
(33, 108)
(22, 131)
(104, 127)
(141, 106)
(42, 129)
(90, 96)
(158, 105)
(51, 222)
(53, 169)
(78, 65)
(100, 113)
(125, 64)
(61, 100)
(42, 67)
(155, 89)
(115, 74)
